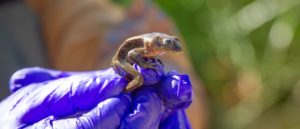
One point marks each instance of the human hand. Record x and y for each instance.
(46, 98)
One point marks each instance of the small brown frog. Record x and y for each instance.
(136, 49)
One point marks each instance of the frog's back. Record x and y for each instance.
(127, 46)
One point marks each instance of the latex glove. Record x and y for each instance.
(46, 98)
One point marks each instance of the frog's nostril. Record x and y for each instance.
(177, 47)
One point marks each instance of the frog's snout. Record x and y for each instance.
(177, 47)
(172, 44)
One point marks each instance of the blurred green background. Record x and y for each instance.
(247, 53)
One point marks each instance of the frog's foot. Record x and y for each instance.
(135, 83)
(158, 60)
(149, 63)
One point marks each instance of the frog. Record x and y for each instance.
(138, 50)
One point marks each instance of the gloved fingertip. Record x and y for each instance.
(26, 76)
(176, 89)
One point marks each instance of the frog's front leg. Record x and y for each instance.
(137, 56)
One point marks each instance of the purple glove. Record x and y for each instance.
(44, 98)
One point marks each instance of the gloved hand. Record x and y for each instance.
(44, 98)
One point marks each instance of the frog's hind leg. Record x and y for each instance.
(137, 80)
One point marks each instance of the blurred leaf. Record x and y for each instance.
(125, 3)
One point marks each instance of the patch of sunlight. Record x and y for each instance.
(242, 114)
(281, 35)
(259, 12)
(254, 15)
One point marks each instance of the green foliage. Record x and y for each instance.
(125, 3)
(247, 53)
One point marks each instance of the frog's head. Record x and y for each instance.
(161, 42)
(170, 44)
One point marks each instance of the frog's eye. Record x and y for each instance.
(167, 42)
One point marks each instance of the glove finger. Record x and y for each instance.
(26, 76)
(176, 90)
(66, 96)
(106, 115)
(148, 109)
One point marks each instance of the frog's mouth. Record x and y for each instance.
(161, 53)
